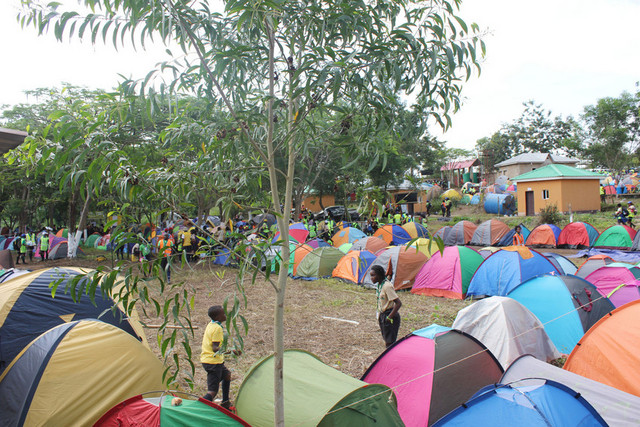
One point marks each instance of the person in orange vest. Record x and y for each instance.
(165, 249)
(518, 239)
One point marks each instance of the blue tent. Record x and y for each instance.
(561, 263)
(535, 402)
(221, 257)
(507, 268)
(507, 240)
(475, 200)
(567, 306)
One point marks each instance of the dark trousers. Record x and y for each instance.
(216, 374)
(21, 255)
(389, 326)
(44, 254)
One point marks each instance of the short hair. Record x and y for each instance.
(379, 271)
(214, 310)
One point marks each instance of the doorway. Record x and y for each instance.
(528, 197)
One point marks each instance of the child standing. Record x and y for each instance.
(212, 358)
(388, 305)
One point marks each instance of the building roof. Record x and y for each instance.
(460, 165)
(528, 158)
(10, 139)
(557, 171)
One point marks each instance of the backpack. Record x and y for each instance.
(625, 212)
(17, 243)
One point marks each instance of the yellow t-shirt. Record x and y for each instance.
(213, 333)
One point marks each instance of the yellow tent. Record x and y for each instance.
(452, 194)
(74, 373)
(426, 246)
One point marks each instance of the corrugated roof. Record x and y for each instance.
(460, 165)
(536, 158)
(10, 139)
(555, 171)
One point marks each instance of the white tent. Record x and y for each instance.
(507, 328)
(616, 407)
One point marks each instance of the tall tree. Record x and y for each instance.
(293, 60)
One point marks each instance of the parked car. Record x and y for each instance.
(337, 213)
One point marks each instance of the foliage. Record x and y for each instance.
(550, 215)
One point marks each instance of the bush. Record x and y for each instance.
(550, 215)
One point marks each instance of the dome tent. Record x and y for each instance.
(442, 232)
(393, 234)
(319, 263)
(561, 263)
(567, 306)
(452, 194)
(610, 351)
(426, 246)
(578, 235)
(543, 236)
(415, 230)
(620, 284)
(507, 268)
(592, 264)
(315, 395)
(507, 328)
(616, 407)
(426, 368)
(489, 233)
(371, 244)
(447, 274)
(405, 262)
(460, 233)
(65, 376)
(159, 412)
(616, 237)
(353, 266)
(27, 309)
(507, 240)
(347, 235)
(536, 402)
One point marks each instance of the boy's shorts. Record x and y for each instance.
(215, 374)
(389, 330)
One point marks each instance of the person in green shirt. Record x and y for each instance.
(44, 246)
(20, 244)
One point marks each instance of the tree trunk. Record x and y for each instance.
(73, 240)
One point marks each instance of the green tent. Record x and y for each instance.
(91, 241)
(314, 395)
(466, 199)
(319, 263)
(616, 237)
(345, 247)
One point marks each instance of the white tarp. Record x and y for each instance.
(507, 328)
(616, 407)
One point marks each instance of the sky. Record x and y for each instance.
(564, 55)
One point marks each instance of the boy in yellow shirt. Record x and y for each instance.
(213, 359)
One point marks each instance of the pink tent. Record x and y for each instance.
(432, 371)
(53, 241)
(619, 284)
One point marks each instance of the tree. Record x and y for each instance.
(613, 130)
(294, 60)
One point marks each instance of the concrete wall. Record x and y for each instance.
(312, 202)
(582, 194)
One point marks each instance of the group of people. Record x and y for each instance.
(625, 215)
(26, 243)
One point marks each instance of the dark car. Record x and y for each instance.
(336, 213)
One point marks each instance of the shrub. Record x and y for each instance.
(550, 215)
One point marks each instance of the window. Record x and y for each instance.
(545, 194)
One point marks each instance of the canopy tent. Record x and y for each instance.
(567, 306)
(616, 407)
(543, 236)
(319, 263)
(620, 284)
(393, 234)
(578, 235)
(507, 328)
(415, 230)
(433, 370)
(616, 237)
(371, 244)
(159, 412)
(507, 240)
(535, 403)
(315, 395)
(561, 263)
(353, 266)
(507, 268)
(347, 235)
(610, 351)
(27, 308)
(404, 262)
(500, 204)
(489, 233)
(447, 274)
(592, 264)
(460, 234)
(74, 373)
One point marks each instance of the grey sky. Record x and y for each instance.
(564, 54)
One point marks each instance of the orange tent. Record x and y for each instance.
(393, 234)
(63, 232)
(371, 244)
(301, 251)
(610, 351)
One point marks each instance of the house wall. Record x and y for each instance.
(512, 171)
(419, 206)
(312, 202)
(582, 194)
